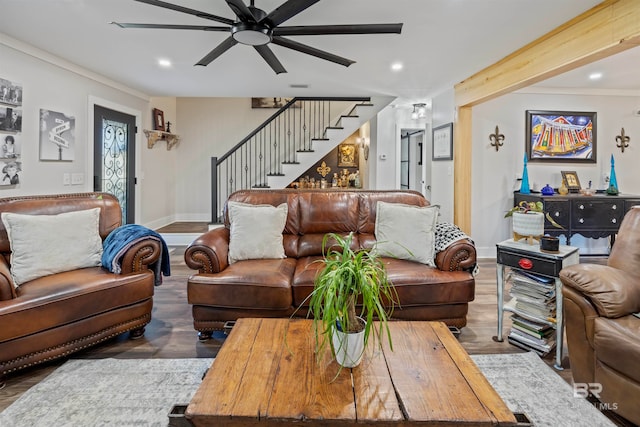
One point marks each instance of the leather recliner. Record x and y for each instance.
(603, 334)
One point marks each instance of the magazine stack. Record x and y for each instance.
(533, 305)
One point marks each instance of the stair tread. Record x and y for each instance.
(260, 186)
(320, 139)
(335, 127)
(275, 174)
(305, 151)
(290, 163)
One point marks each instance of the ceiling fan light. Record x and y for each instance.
(251, 34)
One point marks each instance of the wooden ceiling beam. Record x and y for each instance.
(604, 30)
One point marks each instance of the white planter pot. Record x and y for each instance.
(349, 348)
(530, 224)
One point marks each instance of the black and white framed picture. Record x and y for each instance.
(10, 93)
(10, 119)
(57, 136)
(443, 142)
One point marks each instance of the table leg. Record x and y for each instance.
(500, 274)
(559, 325)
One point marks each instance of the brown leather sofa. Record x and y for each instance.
(55, 315)
(220, 292)
(603, 335)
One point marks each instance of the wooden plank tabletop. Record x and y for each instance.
(261, 378)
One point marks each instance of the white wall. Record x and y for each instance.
(442, 171)
(52, 84)
(494, 173)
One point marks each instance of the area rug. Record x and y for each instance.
(530, 386)
(125, 392)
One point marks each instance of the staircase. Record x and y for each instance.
(286, 145)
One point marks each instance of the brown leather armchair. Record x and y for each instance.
(52, 316)
(603, 335)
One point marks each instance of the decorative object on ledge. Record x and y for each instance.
(622, 140)
(496, 139)
(524, 185)
(158, 120)
(168, 129)
(570, 179)
(547, 190)
(154, 136)
(613, 181)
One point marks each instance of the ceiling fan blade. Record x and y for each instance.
(187, 10)
(217, 51)
(287, 10)
(312, 30)
(241, 10)
(281, 41)
(268, 55)
(169, 26)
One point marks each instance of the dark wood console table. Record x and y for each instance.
(594, 216)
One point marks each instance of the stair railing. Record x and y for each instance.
(275, 142)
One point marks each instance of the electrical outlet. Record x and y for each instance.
(66, 178)
(77, 178)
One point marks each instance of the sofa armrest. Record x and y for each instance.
(140, 255)
(614, 293)
(7, 290)
(458, 256)
(209, 252)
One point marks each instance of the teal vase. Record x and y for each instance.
(524, 185)
(613, 181)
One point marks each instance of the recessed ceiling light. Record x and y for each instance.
(164, 63)
(595, 76)
(397, 66)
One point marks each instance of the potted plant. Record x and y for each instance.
(528, 220)
(349, 279)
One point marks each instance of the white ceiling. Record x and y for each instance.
(442, 43)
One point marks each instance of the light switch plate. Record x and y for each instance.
(77, 178)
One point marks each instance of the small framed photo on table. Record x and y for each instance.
(571, 181)
(158, 119)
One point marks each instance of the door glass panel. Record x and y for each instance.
(114, 160)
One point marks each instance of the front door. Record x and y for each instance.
(114, 163)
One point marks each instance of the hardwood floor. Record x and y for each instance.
(171, 335)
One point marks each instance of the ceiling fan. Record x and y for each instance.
(256, 28)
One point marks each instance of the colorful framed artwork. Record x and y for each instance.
(561, 136)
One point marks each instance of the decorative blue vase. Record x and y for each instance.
(613, 182)
(547, 190)
(524, 185)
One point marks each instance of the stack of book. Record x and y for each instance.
(533, 305)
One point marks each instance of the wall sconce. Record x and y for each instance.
(496, 139)
(622, 140)
(364, 144)
(419, 111)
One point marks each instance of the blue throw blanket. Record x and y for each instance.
(122, 238)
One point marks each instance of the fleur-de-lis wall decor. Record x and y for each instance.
(622, 140)
(496, 139)
(323, 169)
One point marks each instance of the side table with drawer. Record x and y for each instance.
(522, 256)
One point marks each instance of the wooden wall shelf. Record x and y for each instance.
(154, 136)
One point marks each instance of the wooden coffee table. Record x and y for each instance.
(259, 378)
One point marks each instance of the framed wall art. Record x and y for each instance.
(158, 119)
(347, 156)
(57, 136)
(443, 142)
(571, 180)
(561, 136)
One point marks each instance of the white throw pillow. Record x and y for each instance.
(256, 231)
(47, 244)
(406, 231)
